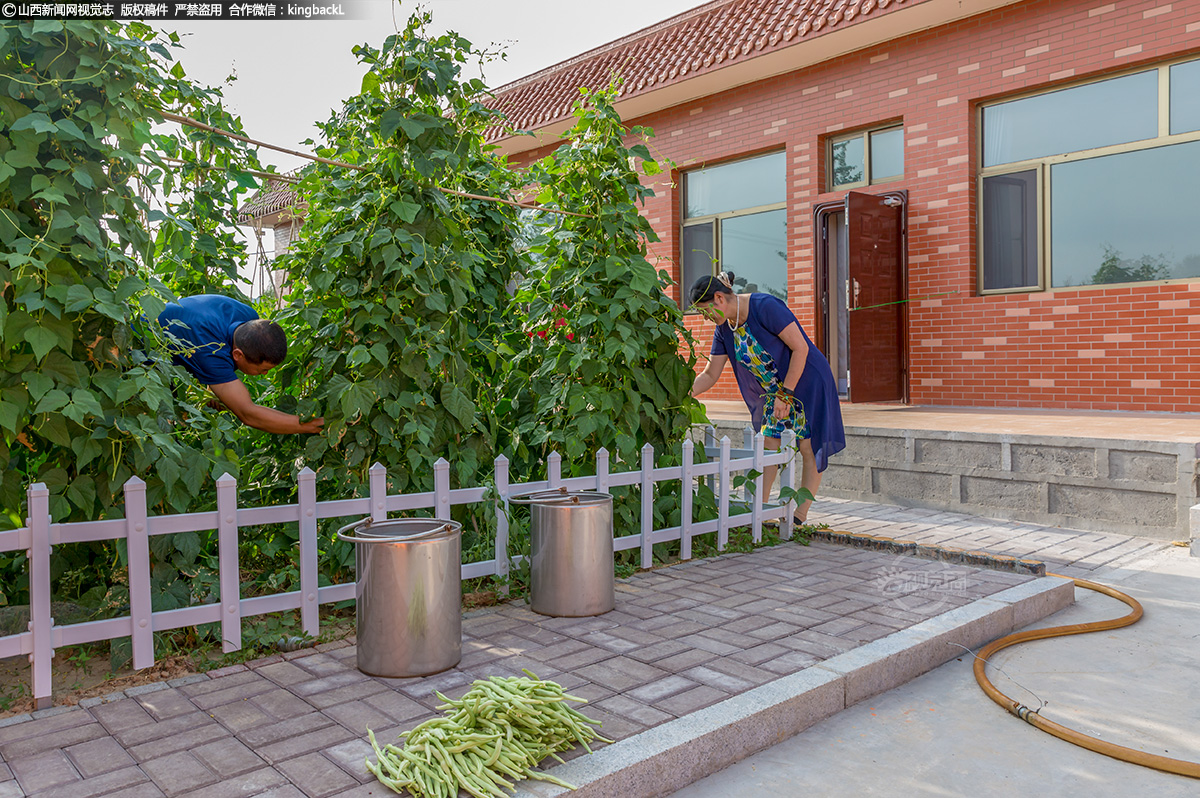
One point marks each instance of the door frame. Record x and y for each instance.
(822, 288)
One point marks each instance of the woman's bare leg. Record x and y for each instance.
(810, 477)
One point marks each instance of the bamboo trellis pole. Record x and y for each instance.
(183, 120)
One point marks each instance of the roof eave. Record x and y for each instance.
(805, 52)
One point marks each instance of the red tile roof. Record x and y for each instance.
(701, 40)
(277, 195)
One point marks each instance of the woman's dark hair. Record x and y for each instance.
(705, 288)
(261, 340)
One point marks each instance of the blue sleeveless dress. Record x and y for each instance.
(816, 392)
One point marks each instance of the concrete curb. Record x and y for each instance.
(671, 756)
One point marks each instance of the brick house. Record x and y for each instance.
(1024, 174)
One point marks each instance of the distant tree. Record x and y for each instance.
(1115, 269)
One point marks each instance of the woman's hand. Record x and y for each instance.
(783, 408)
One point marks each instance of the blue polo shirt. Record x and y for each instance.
(204, 325)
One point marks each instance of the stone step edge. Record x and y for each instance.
(973, 557)
(669, 757)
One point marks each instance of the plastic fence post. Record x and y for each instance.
(40, 622)
(441, 489)
(602, 470)
(137, 542)
(310, 615)
(227, 557)
(685, 494)
(377, 476)
(554, 470)
(788, 479)
(501, 506)
(723, 495)
(747, 443)
(710, 439)
(647, 505)
(756, 501)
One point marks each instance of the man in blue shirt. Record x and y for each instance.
(217, 338)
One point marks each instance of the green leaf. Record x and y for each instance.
(42, 341)
(389, 121)
(405, 210)
(457, 403)
(37, 122)
(53, 400)
(9, 414)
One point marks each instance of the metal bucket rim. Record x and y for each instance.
(563, 497)
(440, 530)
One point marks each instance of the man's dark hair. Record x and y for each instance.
(261, 340)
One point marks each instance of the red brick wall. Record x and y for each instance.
(1134, 347)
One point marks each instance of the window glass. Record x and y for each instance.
(848, 164)
(887, 154)
(699, 256)
(754, 248)
(733, 186)
(1010, 251)
(1094, 115)
(1127, 217)
(1185, 97)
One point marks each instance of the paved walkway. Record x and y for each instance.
(939, 735)
(682, 638)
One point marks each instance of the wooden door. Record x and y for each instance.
(877, 330)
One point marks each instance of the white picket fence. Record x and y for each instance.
(40, 535)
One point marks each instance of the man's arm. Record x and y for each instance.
(236, 397)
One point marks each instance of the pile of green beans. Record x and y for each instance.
(485, 741)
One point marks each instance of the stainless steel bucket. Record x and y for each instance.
(409, 595)
(571, 545)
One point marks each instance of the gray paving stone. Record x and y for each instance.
(659, 689)
(706, 675)
(759, 654)
(214, 682)
(242, 715)
(625, 707)
(711, 645)
(286, 791)
(791, 662)
(43, 771)
(351, 757)
(621, 673)
(237, 692)
(301, 744)
(147, 732)
(181, 741)
(165, 703)
(178, 773)
(228, 757)
(126, 781)
(99, 756)
(316, 775)
(10, 789)
(396, 706)
(254, 783)
(21, 727)
(120, 716)
(284, 674)
(281, 730)
(33, 746)
(688, 658)
(588, 655)
(657, 651)
(350, 692)
(358, 716)
(282, 704)
(692, 700)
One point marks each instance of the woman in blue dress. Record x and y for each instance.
(785, 380)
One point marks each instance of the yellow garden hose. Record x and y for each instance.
(1178, 766)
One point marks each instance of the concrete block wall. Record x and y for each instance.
(1196, 531)
(1128, 487)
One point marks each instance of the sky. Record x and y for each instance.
(290, 74)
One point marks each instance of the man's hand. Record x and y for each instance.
(314, 425)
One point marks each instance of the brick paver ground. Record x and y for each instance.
(680, 639)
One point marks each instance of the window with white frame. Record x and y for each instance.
(1092, 184)
(735, 220)
(864, 158)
